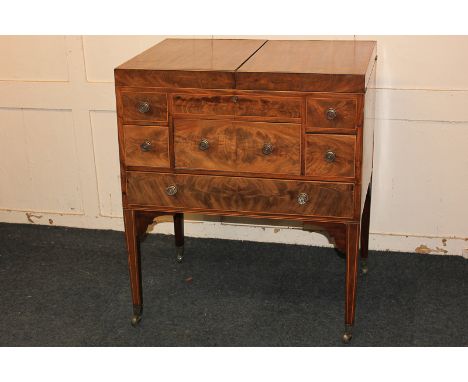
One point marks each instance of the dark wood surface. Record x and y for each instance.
(188, 63)
(195, 55)
(203, 104)
(335, 66)
(238, 105)
(345, 109)
(243, 95)
(352, 256)
(179, 229)
(312, 56)
(344, 148)
(240, 194)
(158, 152)
(157, 103)
(237, 146)
(365, 224)
(298, 65)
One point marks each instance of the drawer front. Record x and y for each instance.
(203, 105)
(144, 107)
(146, 146)
(272, 107)
(276, 108)
(331, 113)
(330, 155)
(240, 195)
(224, 145)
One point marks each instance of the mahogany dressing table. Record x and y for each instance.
(255, 128)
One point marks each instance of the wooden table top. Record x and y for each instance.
(195, 54)
(296, 65)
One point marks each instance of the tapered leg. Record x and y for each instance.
(179, 236)
(365, 221)
(352, 254)
(134, 266)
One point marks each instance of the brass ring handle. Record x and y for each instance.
(171, 190)
(331, 114)
(204, 144)
(146, 146)
(330, 156)
(267, 149)
(302, 198)
(143, 107)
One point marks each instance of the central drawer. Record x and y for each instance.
(237, 194)
(280, 109)
(226, 145)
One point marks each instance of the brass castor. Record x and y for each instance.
(136, 318)
(348, 334)
(364, 268)
(179, 254)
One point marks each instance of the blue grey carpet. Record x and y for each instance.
(69, 287)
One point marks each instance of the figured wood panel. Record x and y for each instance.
(195, 55)
(285, 139)
(158, 153)
(337, 66)
(271, 108)
(237, 146)
(343, 146)
(312, 56)
(156, 113)
(203, 104)
(188, 63)
(281, 108)
(175, 79)
(236, 194)
(301, 82)
(221, 136)
(345, 112)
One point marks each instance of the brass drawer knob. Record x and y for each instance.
(331, 114)
(171, 190)
(143, 107)
(267, 148)
(302, 198)
(204, 144)
(235, 99)
(146, 146)
(330, 156)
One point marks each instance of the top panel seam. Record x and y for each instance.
(248, 58)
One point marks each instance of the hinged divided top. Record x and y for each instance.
(278, 65)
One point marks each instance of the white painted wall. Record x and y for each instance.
(59, 158)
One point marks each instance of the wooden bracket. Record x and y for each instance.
(335, 232)
(144, 219)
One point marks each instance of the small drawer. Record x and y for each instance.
(270, 108)
(225, 145)
(330, 155)
(196, 104)
(280, 109)
(144, 107)
(331, 113)
(241, 195)
(146, 146)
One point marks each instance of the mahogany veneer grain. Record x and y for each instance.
(261, 109)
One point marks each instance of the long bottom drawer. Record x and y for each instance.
(249, 195)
